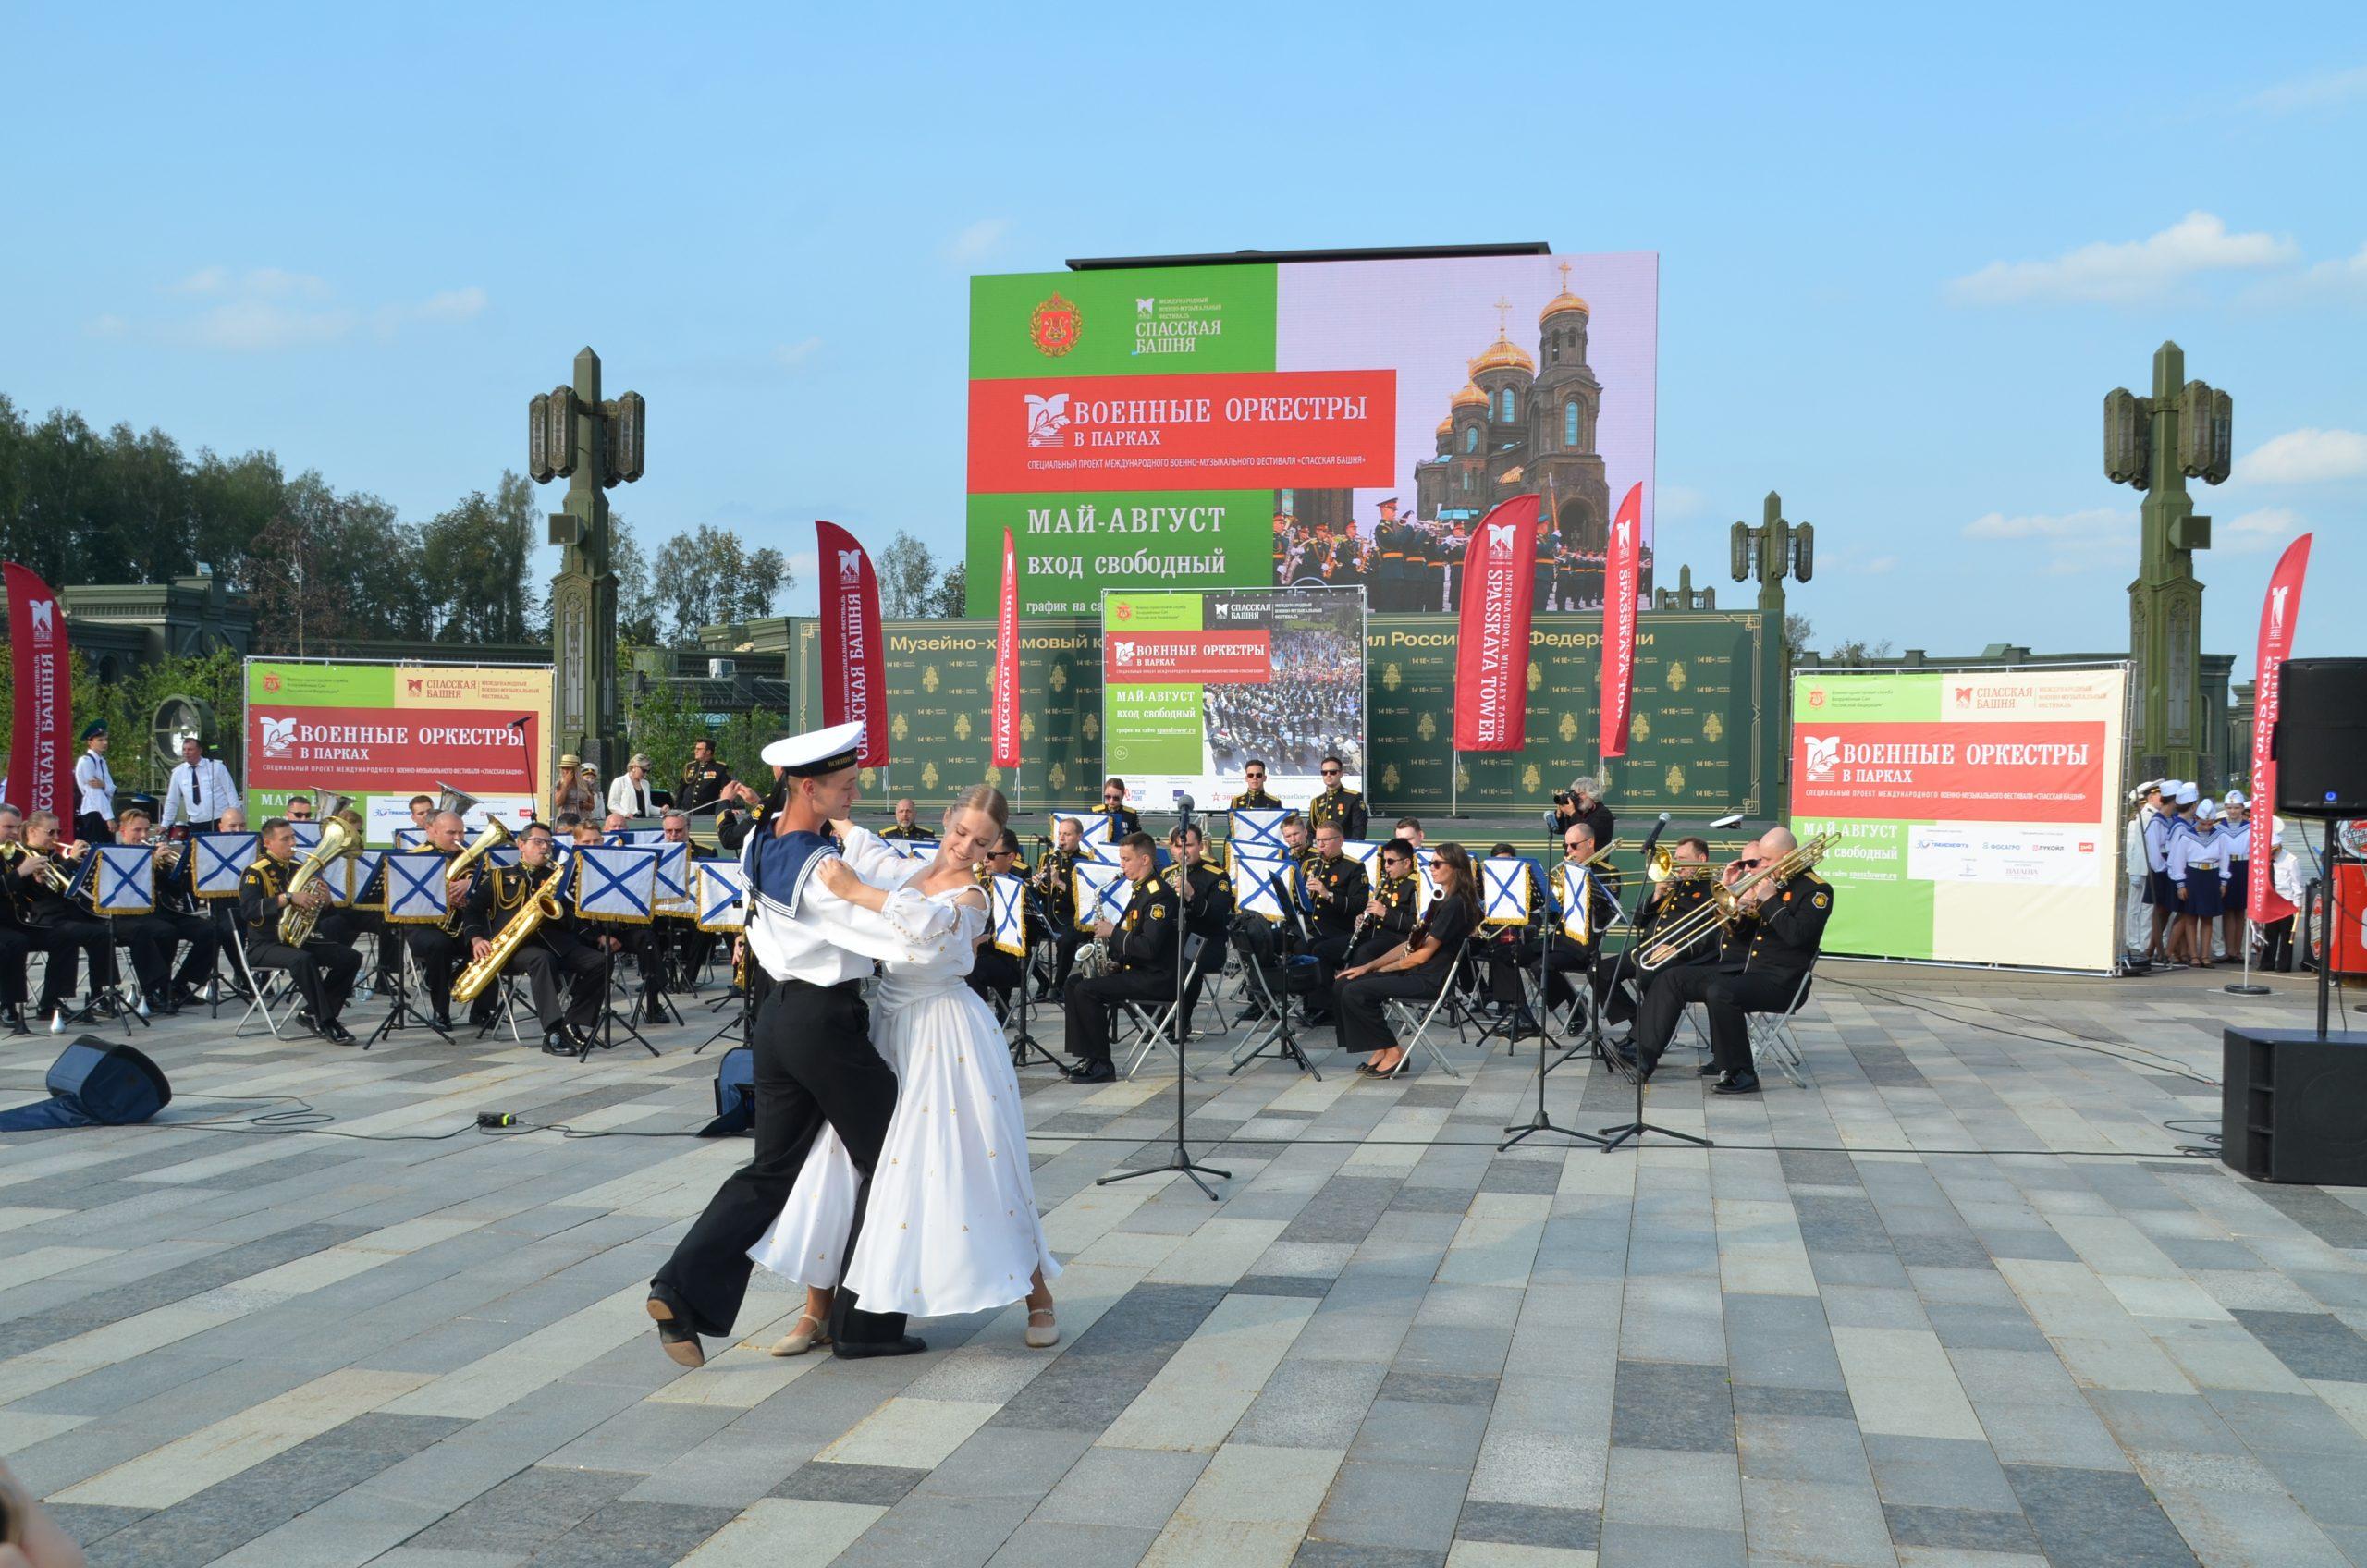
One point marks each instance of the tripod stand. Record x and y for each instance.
(1180, 1158)
(401, 1014)
(1620, 1132)
(1541, 1121)
(1022, 1042)
(608, 1019)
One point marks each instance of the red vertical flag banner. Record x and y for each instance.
(41, 740)
(854, 656)
(1620, 573)
(2278, 613)
(1491, 655)
(1006, 714)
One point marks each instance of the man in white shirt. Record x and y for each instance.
(199, 790)
(813, 1059)
(94, 788)
(628, 791)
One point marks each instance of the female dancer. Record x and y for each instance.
(952, 1225)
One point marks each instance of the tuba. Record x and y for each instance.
(494, 835)
(541, 904)
(341, 835)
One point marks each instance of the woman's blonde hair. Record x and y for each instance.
(984, 798)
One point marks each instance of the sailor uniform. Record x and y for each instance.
(1208, 916)
(2195, 854)
(1360, 1005)
(555, 955)
(1254, 799)
(1122, 819)
(172, 922)
(1335, 893)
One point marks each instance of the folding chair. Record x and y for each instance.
(265, 989)
(1157, 1029)
(1772, 1038)
(1419, 1023)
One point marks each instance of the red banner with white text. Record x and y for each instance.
(855, 668)
(1491, 653)
(41, 731)
(2280, 610)
(1620, 587)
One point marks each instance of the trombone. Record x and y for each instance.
(1719, 912)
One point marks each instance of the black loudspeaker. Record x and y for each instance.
(2321, 740)
(2293, 1107)
(735, 1095)
(94, 1082)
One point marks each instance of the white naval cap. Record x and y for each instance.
(2205, 812)
(2233, 798)
(2188, 794)
(818, 751)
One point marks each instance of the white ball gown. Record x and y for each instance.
(953, 1226)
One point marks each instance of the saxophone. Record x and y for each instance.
(341, 835)
(540, 905)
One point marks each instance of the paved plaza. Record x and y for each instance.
(1922, 1332)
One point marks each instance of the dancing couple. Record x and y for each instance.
(890, 1176)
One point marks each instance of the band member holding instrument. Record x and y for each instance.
(1122, 820)
(1765, 952)
(1412, 971)
(1342, 807)
(1055, 883)
(1296, 849)
(1253, 796)
(61, 927)
(323, 970)
(436, 949)
(1390, 913)
(1142, 963)
(173, 921)
(17, 943)
(1336, 894)
(1207, 896)
(555, 956)
(1683, 889)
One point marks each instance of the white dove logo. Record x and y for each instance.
(850, 565)
(1143, 307)
(278, 735)
(1124, 650)
(43, 611)
(1048, 415)
(2276, 609)
(1823, 756)
(1501, 534)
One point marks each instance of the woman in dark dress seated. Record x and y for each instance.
(1412, 970)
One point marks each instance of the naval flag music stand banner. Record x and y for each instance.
(616, 883)
(722, 887)
(123, 879)
(1008, 896)
(673, 897)
(1574, 896)
(1506, 886)
(1260, 883)
(502, 857)
(1367, 853)
(361, 871)
(1095, 826)
(415, 892)
(222, 861)
(1257, 830)
(308, 836)
(1102, 893)
(410, 837)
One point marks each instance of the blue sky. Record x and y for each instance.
(1903, 253)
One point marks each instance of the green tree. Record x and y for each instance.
(950, 600)
(908, 578)
(476, 556)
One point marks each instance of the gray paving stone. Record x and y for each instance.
(635, 1535)
(1392, 1505)
(1073, 1544)
(1515, 1523)
(1340, 1554)
(1938, 1473)
(1138, 1488)
(2095, 1517)
(936, 1531)
(883, 1485)
(2314, 1345)
(1440, 1436)
(1312, 1403)
(1961, 1529)
(1671, 1405)
(527, 1512)
(1629, 1545)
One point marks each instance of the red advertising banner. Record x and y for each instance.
(381, 749)
(2000, 771)
(1311, 429)
(1226, 658)
(2280, 610)
(1006, 713)
(1619, 625)
(854, 686)
(1491, 655)
(41, 731)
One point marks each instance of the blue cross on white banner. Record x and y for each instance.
(222, 861)
(410, 837)
(1257, 830)
(126, 879)
(1007, 895)
(1574, 893)
(1505, 889)
(415, 892)
(1103, 851)
(1367, 853)
(361, 869)
(308, 836)
(673, 896)
(502, 857)
(616, 882)
(641, 837)
(1102, 893)
(1260, 883)
(722, 894)
(1096, 827)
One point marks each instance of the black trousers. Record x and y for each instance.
(1090, 998)
(63, 941)
(151, 939)
(2275, 952)
(1358, 1009)
(16, 946)
(438, 953)
(323, 971)
(993, 976)
(1064, 946)
(347, 924)
(1205, 963)
(813, 1062)
(91, 828)
(1561, 956)
(578, 967)
(1727, 994)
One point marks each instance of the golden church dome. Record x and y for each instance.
(1503, 354)
(1564, 300)
(1446, 425)
(1469, 397)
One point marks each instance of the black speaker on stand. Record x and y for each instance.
(2291, 1101)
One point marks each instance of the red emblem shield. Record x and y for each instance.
(1055, 326)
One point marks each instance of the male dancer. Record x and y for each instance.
(812, 1057)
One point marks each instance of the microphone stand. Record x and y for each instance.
(1620, 1132)
(1180, 1157)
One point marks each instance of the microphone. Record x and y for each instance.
(1658, 828)
(1182, 805)
(1550, 819)
(1732, 819)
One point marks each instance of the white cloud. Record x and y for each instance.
(1880, 564)
(2067, 542)
(977, 241)
(2263, 530)
(1673, 503)
(269, 309)
(2306, 457)
(108, 325)
(2342, 278)
(252, 326)
(2124, 272)
(452, 304)
(788, 356)
(2316, 91)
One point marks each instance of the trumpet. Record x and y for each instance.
(1724, 906)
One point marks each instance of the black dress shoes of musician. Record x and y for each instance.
(1626, 1056)
(1740, 1083)
(442, 1022)
(864, 1350)
(558, 1042)
(674, 1330)
(1710, 1070)
(161, 1002)
(304, 1016)
(1525, 1027)
(656, 1011)
(13, 1017)
(1094, 1071)
(186, 995)
(337, 1033)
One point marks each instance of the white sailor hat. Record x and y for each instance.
(2188, 794)
(2205, 812)
(817, 752)
(2233, 798)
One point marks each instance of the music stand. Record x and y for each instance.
(1010, 902)
(1579, 891)
(674, 899)
(122, 882)
(412, 887)
(1619, 1133)
(218, 864)
(615, 884)
(722, 902)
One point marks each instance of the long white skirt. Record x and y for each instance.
(953, 1226)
